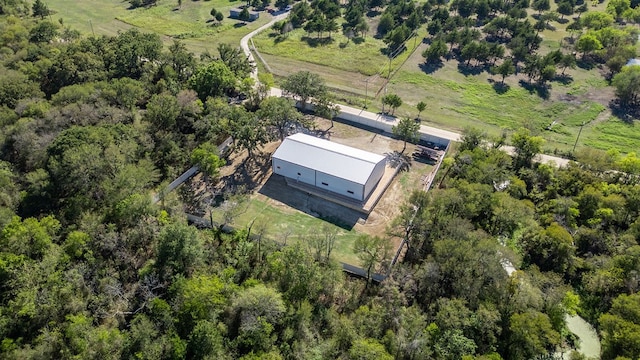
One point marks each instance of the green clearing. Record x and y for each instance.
(298, 223)
(344, 64)
(339, 52)
(364, 58)
(87, 15)
(190, 23)
(260, 211)
(457, 101)
(349, 86)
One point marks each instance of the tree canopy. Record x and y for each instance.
(213, 79)
(305, 86)
(97, 261)
(627, 84)
(407, 130)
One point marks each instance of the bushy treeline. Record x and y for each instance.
(573, 232)
(398, 22)
(89, 266)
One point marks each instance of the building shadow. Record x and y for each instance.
(365, 127)
(277, 189)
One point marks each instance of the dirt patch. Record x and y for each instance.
(601, 95)
(255, 176)
(569, 98)
(372, 141)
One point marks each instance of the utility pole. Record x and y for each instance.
(91, 24)
(578, 137)
(366, 92)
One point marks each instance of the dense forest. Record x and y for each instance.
(92, 268)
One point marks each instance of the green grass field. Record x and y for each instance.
(339, 53)
(299, 224)
(91, 16)
(190, 23)
(345, 65)
(457, 100)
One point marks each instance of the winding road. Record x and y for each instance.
(445, 134)
(244, 42)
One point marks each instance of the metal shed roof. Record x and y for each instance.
(328, 157)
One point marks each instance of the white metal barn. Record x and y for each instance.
(327, 165)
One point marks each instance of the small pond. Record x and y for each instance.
(589, 340)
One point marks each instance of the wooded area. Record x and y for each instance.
(91, 268)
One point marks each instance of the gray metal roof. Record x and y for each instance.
(328, 157)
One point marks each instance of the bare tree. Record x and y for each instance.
(231, 208)
(321, 243)
(285, 234)
(372, 252)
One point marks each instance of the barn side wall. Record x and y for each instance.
(339, 186)
(375, 177)
(294, 171)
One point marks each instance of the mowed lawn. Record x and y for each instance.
(456, 101)
(339, 53)
(191, 23)
(279, 218)
(91, 15)
(362, 58)
(299, 224)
